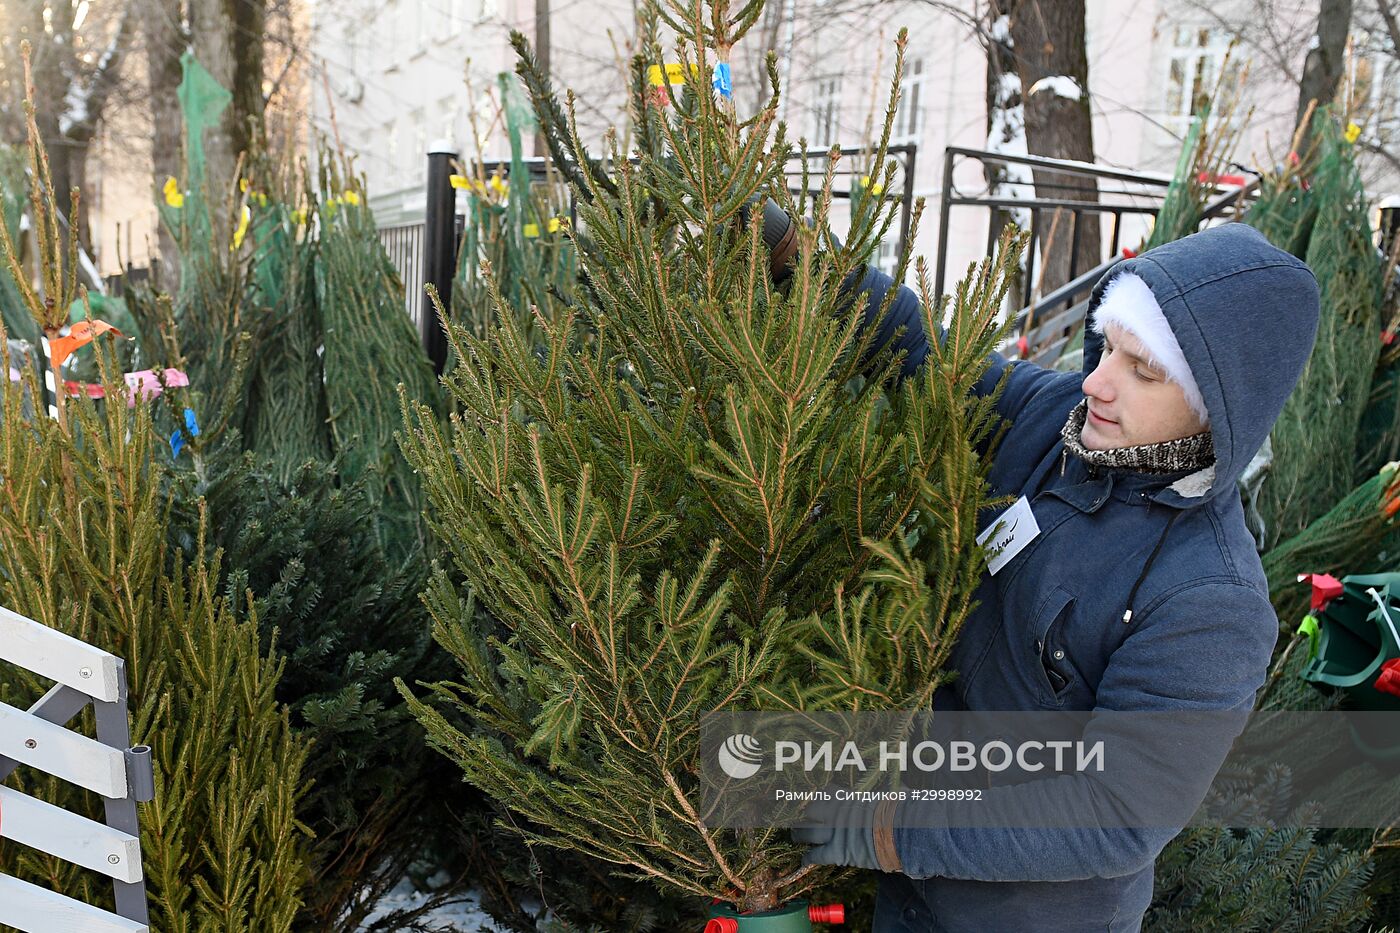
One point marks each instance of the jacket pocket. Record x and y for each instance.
(1050, 664)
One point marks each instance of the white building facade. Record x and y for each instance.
(402, 74)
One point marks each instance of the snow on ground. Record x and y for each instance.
(464, 915)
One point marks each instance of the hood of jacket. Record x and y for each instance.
(1245, 314)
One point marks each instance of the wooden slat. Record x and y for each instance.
(33, 909)
(52, 654)
(1066, 318)
(1046, 356)
(69, 836)
(73, 757)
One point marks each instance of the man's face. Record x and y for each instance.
(1130, 401)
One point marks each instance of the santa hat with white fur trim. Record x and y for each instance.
(1128, 302)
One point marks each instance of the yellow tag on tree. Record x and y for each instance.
(173, 197)
(244, 216)
(533, 230)
(675, 74)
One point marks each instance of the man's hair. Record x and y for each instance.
(1128, 302)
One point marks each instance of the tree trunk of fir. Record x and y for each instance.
(165, 40)
(1048, 39)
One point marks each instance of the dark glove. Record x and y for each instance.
(844, 834)
(852, 846)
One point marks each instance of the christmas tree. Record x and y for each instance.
(704, 491)
(1315, 439)
(84, 524)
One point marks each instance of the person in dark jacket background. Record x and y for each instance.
(1142, 591)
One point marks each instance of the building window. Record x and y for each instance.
(388, 23)
(1193, 70)
(427, 24)
(352, 47)
(887, 254)
(1375, 80)
(826, 111)
(447, 119)
(908, 118)
(419, 134)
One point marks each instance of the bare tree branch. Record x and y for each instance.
(1392, 26)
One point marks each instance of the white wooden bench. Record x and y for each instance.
(107, 765)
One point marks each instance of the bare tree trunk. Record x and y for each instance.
(70, 93)
(212, 31)
(52, 61)
(228, 41)
(249, 19)
(542, 58)
(82, 126)
(1047, 37)
(1326, 56)
(1001, 61)
(165, 41)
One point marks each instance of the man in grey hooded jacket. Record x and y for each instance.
(1143, 590)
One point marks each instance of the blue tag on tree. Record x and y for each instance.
(177, 440)
(723, 82)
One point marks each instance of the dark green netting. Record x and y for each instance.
(370, 347)
(1315, 438)
(19, 323)
(518, 233)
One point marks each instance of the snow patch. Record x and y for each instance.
(1060, 85)
(1001, 29)
(75, 110)
(464, 915)
(1006, 134)
(76, 103)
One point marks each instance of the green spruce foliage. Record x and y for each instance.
(700, 493)
(514, 236)
(370, 348)
(1315, 438)
(84, 525)
(1283, 879)
(349, 620)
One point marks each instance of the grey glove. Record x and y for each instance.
(853, 846)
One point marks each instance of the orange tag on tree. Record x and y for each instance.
(79, 334)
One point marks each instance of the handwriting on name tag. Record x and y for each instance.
(1009, 534)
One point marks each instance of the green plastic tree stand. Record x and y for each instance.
(1359, 633)
(794, 917)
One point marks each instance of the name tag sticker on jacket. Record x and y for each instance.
(1005, 537)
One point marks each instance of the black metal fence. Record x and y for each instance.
(1047, 322)
(423, 253)
(404, 244)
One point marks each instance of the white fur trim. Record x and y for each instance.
(1194, 485)
(1128, 302)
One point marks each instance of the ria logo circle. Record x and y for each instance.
(740, 756)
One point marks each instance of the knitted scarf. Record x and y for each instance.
(1177, 456)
